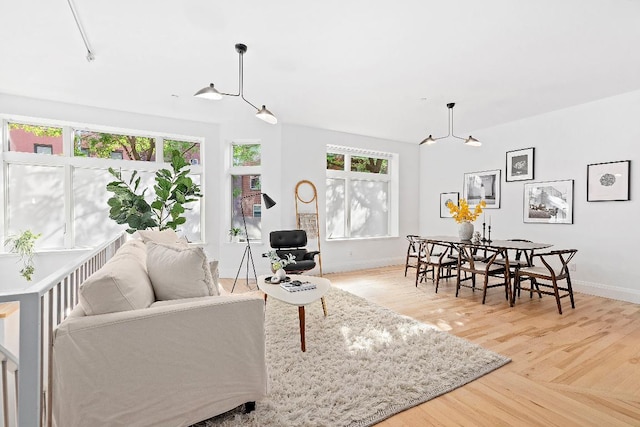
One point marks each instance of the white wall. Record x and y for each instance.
(294, 153)
(565, 141)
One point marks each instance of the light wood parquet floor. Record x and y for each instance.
(581, 368)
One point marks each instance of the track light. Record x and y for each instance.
(471, 141)
(210, 92)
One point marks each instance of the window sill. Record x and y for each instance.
(351, 239)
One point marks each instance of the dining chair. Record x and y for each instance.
(475, 260)
(434, 257)
(555, 269)
(412, 253)
(521, 258)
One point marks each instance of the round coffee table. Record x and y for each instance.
(300, 298)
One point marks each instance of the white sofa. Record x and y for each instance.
(123, 358)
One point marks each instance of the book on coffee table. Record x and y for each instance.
(296, 286)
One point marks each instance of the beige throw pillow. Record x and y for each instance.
(178, 272)
(121, 284)
(164, 236)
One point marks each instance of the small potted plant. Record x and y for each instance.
(235, 232)
(24, 245)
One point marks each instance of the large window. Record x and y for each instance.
(55, 180)
(359, 188)
(246, 185)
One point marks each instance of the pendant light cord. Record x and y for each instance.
(90, 56)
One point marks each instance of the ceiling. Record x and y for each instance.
(377, 68)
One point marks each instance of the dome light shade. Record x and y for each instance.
(472, 142)
(428, 140)
(209, 92)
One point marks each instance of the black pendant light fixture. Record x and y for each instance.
(471, 141)
(210, 92)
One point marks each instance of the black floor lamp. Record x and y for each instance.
(268, 203)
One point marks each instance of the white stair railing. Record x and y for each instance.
(42, 307)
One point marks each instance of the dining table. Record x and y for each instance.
(527, 247)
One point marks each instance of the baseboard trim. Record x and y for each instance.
(606, 291)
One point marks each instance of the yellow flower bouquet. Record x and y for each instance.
(462, 213)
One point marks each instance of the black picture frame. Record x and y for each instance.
(454, 196)
(520, 165)
(609, 182)
(485, 185)
(548, 202)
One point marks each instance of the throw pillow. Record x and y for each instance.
(164, 236)
(178, 272)
(121, 284)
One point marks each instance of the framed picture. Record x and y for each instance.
(485, 186)
(446, 198)
(520, 165)
(549, 202)
(609, 181)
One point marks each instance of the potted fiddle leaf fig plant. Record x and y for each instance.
(23, 244)
(174, 189)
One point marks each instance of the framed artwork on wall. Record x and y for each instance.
(479, 186)
(445, 198)
(609, 181)
(520, 165)
(549, 202)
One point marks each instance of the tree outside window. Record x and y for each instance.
(102, 145)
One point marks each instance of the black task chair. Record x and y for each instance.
(293, 242)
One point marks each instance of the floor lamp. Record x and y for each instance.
(268, 203)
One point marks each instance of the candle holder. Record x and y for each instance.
(483, 227)
(489, 239)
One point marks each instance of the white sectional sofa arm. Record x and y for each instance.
(173, 364)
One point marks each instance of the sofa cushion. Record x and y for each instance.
(177, 271)
(121, 284)
(164, 236)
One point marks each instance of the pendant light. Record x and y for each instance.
(471, 141)
(210, 92)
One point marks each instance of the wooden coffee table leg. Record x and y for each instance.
(324, 306)
(301, 316)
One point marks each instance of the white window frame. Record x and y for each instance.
(69, 162)
(391, 177)
(240, 170)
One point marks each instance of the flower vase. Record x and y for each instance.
(281, 274)
(465, 230)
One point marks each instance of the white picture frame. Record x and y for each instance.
(453, 196)
(609, 182)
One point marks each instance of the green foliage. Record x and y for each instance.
(174, 188)
(235, 231)
(184, 147)
(37, 130)
(101, 145)
(246, 155)
(24, 245)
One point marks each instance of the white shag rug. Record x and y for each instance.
(363, 363)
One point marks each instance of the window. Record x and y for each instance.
(29, 138)
(359, 189)
(88, 143)
(189, 149)
(246, 185)
(43, 148)
(254, 183)
(64, 198)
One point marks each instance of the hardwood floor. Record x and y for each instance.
(581, 368)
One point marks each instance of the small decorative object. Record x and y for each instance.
(549, 202)
(23, 245)
(464, 216)
(476, 237)
(235, 232)
(608, 181)
(482, 186)
(520, 165)
(445, 198)
(278, 264)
